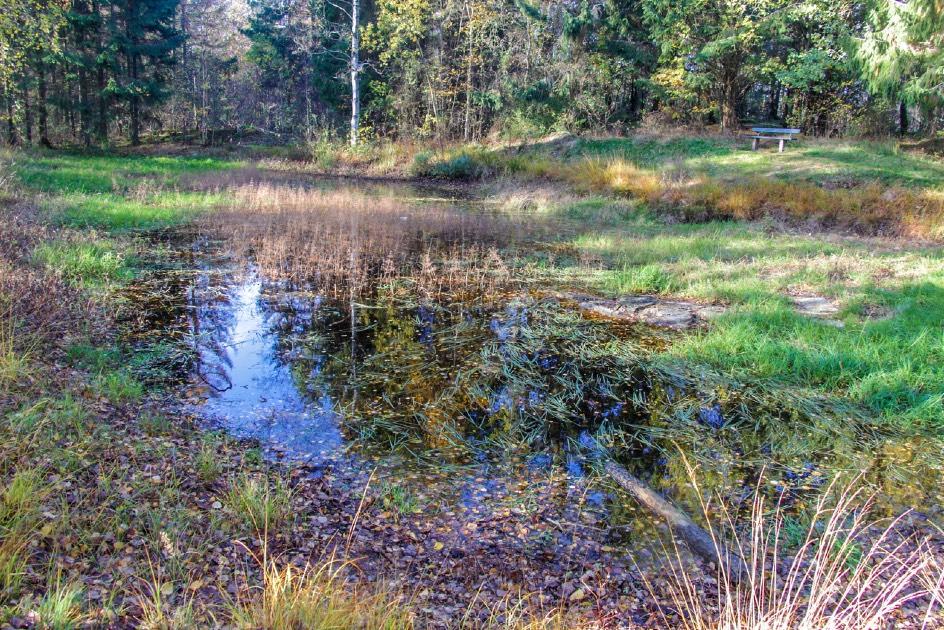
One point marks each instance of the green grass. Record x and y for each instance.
(90, 263)
(61, 607)
(117, 213)
(884, 352)
(116, 193)
(15, 366)
(93, 358)
(259, 505)
(118, 386)
(63, 173)
(154, 424)
(399, 499)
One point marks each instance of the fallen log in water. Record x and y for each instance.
(698, 540)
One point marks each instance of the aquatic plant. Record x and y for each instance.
(346, 243)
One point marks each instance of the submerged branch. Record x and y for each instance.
(698, 540)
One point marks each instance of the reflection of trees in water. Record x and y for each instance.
(212, 318)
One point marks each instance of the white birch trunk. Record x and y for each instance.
(355, 72)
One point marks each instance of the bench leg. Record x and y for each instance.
(754, 144)
(781, 147)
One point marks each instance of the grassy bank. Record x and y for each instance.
(866, 188)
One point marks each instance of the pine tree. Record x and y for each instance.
(145, 37)
(902, 54)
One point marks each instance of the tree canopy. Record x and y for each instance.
(98, 71)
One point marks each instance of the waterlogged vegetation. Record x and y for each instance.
(260, 397)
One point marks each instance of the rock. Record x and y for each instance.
(651, 309)
(817, 306)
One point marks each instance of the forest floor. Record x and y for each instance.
(120, 508)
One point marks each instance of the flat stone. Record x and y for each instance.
(669, 314)
(638, 302)
(650, 309)
(815, 305)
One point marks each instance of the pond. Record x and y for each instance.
(411, 334)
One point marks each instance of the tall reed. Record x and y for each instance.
(847, 570)
(345, 242)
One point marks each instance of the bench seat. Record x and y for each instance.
(778, 134)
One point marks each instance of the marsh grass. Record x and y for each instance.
(19, 519)
(87, 263)
(154, 423)
(318, 596)
(61, 607)
(702, 179)
(842, 569)
(14, 363)
(118, 386)
(347, 243)
(209, 467)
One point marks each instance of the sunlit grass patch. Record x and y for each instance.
(20, 505)
(86, 263)
(60, 608)
(642, 279)
(15, 364)
(64, 173)
(318, 597)
(116, 213)
(207, 462)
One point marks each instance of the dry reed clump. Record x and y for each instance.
(321, 595)
(347, 242)
(870, 209)
(619, 176)
(842, 570)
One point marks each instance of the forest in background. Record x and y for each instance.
(99, 72)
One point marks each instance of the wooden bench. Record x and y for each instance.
(772, 133)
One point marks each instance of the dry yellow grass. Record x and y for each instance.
(868, 209)
(345, 241)
(845, 571)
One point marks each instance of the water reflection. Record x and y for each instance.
(250, 390)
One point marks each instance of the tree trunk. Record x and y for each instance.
(902, 118)
(355, 72)
(27, 116)
(635, 101)
(85, 112)
(466, 126)
(11, 122)
(773, 105)
(101, 127)
(41, 105)
(703, 543)
(729, 102)
(101, 124)
(135, 103)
